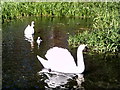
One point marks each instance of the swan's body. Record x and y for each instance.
(38, 41)
(29, 29)
(30, 39)
(61, 60)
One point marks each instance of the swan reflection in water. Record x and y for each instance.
(61, 60)
(30, 39)
(61, 80)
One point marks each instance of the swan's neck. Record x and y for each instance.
(80, 61)
(32, 25)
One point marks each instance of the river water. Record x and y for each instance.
(21, 68)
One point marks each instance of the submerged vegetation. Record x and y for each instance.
(105, 36)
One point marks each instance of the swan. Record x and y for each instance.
(29, 29)
(61, 60)
(30, 39)
(38, 41)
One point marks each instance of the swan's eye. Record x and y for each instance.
(49, 70)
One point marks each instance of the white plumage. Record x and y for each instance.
(29, 29)
(61, 60)
(38, 41)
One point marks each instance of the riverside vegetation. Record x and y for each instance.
(105, 36)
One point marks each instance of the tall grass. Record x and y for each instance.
(11, 10)
(106, 20)
(107, 15)
(105, 36)
(102, 41)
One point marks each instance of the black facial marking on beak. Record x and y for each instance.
(86, 49)
(49, 70)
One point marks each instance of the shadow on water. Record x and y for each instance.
(102, 72)
(21, 67)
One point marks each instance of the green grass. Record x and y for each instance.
(102, 41)
(12, 10)
(105, 36)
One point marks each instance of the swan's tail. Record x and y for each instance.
(43, 61)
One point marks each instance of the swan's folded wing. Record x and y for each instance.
(27, 29)
(43, 61)
(60, 57)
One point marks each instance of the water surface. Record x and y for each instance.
(21, 66)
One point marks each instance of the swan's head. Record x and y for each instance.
(39, 39)
(32, 23)
(82, 47)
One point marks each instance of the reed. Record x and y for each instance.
(105, 36)
(102, 41)
(12, 10)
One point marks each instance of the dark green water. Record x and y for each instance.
(20, 65)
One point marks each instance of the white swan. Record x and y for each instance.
(61, 60)
(38, 41)
(29, 29)
(30, 39)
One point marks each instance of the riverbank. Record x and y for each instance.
(12, 10)
(105, 36)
